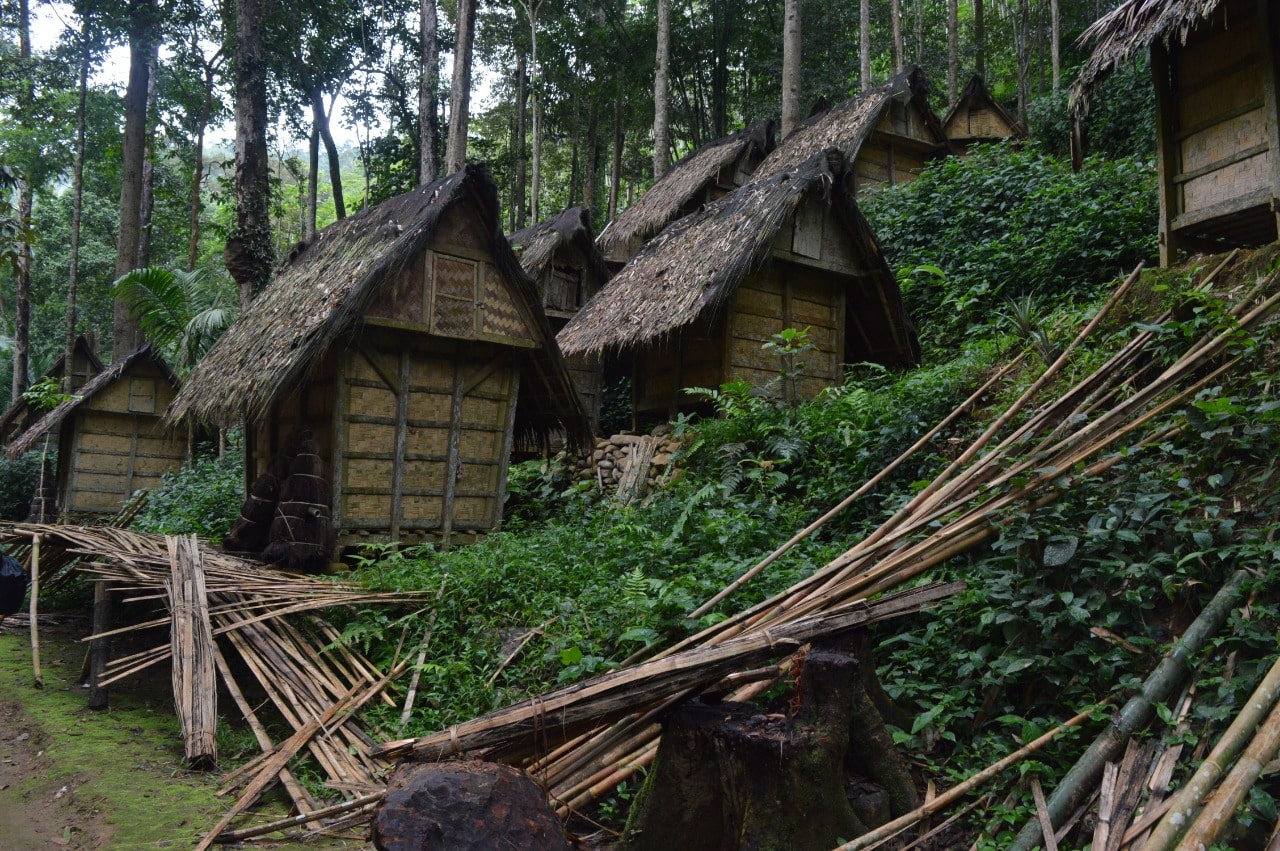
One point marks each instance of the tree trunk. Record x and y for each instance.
(535, 189)
(460, 91)
(792, 111)
(864, 43)
(321, 119)
(429, 84)
(895, 12)
(77, 205)
(197, 181)
(979, 40)
(953, 51)
(309, 213)
(250, 253)
(591, 164)
(661, 93)
(22, 297)
(919, 59)
(147, 207)
(126, 333)
(1022, 52)
(615, 167)
(1055, 36)
(722, 23)
(522, 133)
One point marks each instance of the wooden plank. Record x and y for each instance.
(1235, 112)
(1224, 162)
(1166, 152)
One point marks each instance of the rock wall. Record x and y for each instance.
(634, 463)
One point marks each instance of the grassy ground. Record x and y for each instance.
(74, 778)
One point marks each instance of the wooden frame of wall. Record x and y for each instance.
(1217, 132)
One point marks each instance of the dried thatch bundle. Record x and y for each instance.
(667, 199)
(324, 290)
(1130, 29)
(694, 267)
(848, 124)
(301, 535)
(536, 245)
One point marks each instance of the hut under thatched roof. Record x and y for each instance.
(560, 255)
(411, 344)
(85, 364)
(1217, 136)
(694, 307)
(978, 118)
(887, 134)
(706, 174)
(111, 440)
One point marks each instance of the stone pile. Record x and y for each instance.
(614, 458)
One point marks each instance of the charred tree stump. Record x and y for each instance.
(728, 777)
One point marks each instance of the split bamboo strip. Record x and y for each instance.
(1186, 803)
(1042, 813)
(955, 793)
(195, 690)
(1222, 804)
(1138, 711)
(37, 675)
(302, 818)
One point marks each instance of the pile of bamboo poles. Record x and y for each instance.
(1027, 457)
(315, 682)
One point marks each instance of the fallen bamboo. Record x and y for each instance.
(955, 793)
(37, 675)
(1138, 711)
(301, 818)
(195, 690)
(1186, 803)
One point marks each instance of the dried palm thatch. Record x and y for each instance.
(694, 267)
(848, 124)
(324, 289)
(667, 199)
(96, 385)
(976, 95)
(19, 416)
(536, 245)
(1130, 29)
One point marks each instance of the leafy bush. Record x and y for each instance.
(202, 498)
(1005, 223)
(1121, 120)
(17, 485)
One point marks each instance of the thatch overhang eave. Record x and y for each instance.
(694, 267)
(536, 245)
(1126, 31)
(100, 382)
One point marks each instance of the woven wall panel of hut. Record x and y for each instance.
(501, 318)
(692, 359)
(402, 301)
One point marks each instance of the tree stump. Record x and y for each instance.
(728, 777)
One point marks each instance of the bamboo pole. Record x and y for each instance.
(1137, 712)
(1186, 803)
(301, 818)
(37, 675)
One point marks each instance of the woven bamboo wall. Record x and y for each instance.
(115, 443)
(694, 357)
(1222, 143)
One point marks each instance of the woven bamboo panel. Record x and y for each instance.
(142, 395)
(500, 314)
(749, 299)
(425, 476)
(430, 407)
(427, 441)
(1225, 183)
(454, 318)
(371, 401)
(359, 368)
(455, 277)
(368, 473)
(431, 372)
(497, 384)
(1206, 57)
(422, 510)
(478, 478)
(119, 443)
(361, 507)
(95, 502)
(403, 298)
(481, 444)
(370, 437)
(473, 511)
(483, 412)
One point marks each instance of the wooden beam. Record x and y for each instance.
(1229, 160)
(1221, 118)
(375, 361)
(1167, 156)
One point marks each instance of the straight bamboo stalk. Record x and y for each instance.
(1186, 803)
(1137, 712)
(37, 675)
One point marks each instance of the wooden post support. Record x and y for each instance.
(1168, 162)
(100, 648)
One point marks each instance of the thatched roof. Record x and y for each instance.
(100, 382)
(57, 369)
(848, 124)
(663, 202)
(324, 289)
(537, 245)
(976, 95)
(1127, 31)
(694, 267)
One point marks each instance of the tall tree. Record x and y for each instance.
(531, 8)
(1022, 53)
(979, 39)
(1055, 37)
(895, 12)
(77, 198)
(460, 90)
(143, 30)
(953, 50)
(428, 91)
(661, 93)
(250, 252)
(792, 111)
(522, 132)
(864, 43)
(22, 259)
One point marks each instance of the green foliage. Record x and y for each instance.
(1005, 223)
(202, 498)
(183, 313)
(18, 479)
(46, 394)
(1121, 120)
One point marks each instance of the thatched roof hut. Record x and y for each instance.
(711, 171)
(402, 338)
(561, 256)
(85, 364)
(1218, 146)
(110, 437)
(695, 305)
(887, 134)
(978, 118)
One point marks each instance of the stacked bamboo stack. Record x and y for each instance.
(1026, 458)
